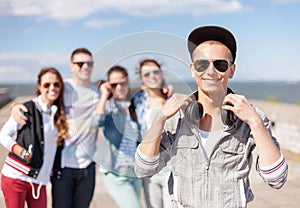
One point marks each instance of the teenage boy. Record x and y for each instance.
(210, 160)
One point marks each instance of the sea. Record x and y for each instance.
(286, 92)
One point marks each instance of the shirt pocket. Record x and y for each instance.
(232, 154)
(233, 146)
(186, 156)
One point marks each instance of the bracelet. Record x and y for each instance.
(13, 148)
(24, 154)
(21, 153)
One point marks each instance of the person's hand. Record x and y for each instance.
(241, 108)
(168, 90)
(22, 152)
(174, 104)
(16, 112)
(106, 90)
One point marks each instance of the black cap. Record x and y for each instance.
(206, 33)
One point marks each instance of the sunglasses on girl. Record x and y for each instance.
(201, 65)
(155, 72)
(80, 64)
(55, 84)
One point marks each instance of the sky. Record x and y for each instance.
(39, 33)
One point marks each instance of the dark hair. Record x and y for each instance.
(145, 61)
(60, 117)
(117, 69)
(80, 50)
(122, 70)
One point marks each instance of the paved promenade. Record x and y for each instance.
(265, 197)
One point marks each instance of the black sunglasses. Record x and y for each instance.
(80, 64)
(114, 85)
(201, 65)
(55, 84)
(155, 72)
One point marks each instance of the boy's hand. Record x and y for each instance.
(16, 112)
(174, 104)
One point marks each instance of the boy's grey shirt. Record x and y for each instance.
(219, 179)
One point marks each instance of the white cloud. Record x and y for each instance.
(25, 67)
(38, 59)
(17, 73)
(284, 1)
(100, 23)
(10, 69)
(77, 9)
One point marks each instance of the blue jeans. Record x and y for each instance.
(75, 188)
(125, 191)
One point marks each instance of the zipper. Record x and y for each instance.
(207, 164)
(206, 181)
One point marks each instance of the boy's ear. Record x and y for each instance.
(192, 70)
(232, 70)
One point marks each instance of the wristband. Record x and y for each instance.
(22, 153)
(13, 147)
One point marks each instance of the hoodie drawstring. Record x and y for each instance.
(37, 191)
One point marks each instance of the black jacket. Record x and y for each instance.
(32, 133)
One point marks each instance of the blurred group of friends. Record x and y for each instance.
(148, 141)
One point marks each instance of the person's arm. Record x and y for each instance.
(267, 150)
(150, 157)
(17, 110)
(105, 94)
(98, 119)
(7, 132)
(275, 175)
(270, 162)
(149, 146)
(168, 90)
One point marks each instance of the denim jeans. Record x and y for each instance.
(125, 191)
(74, 189)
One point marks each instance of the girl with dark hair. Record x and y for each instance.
(146, 102)
(27, 168)
(121, 136)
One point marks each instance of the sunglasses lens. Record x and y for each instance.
(56, 84)
(113, 86)
(80, 64)
(221, 65)
(201, 65)
(90, 63)
(46, 85)
(147, 74)
(123, 84)
(156, 72)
